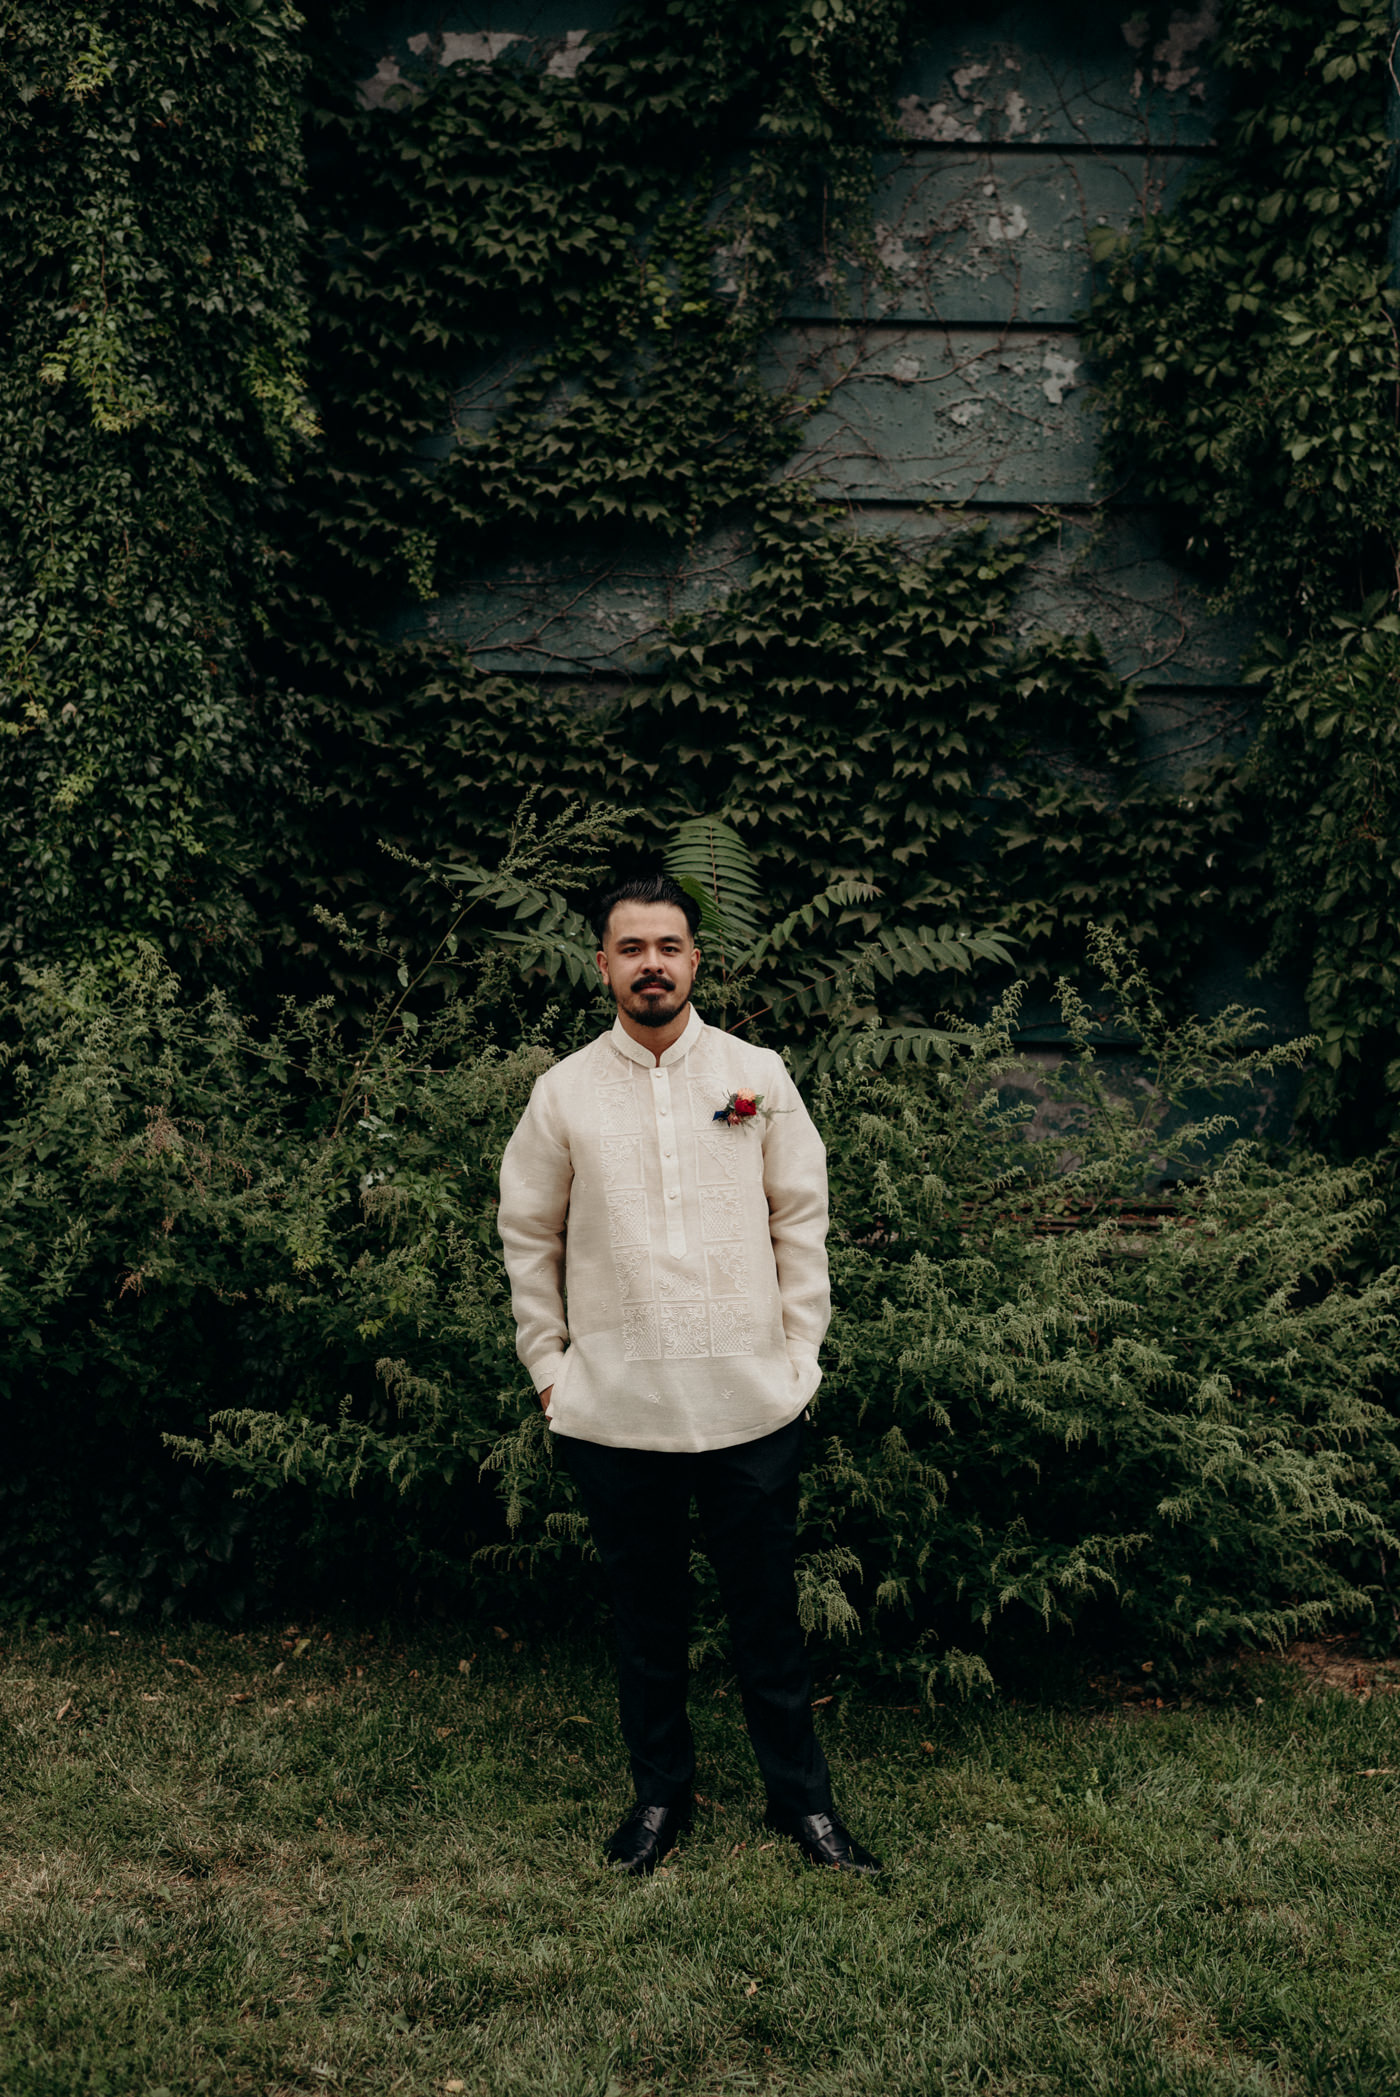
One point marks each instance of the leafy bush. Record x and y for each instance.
(196, 1217)
(1091, 1353)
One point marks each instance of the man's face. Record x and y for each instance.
(648, 961)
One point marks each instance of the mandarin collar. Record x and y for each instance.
(635, 1052)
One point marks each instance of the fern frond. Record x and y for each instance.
(831, 903)
(715, 867)
(890, 1043)
(554, 955)
(547, 933)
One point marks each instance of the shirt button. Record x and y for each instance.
(672, 1196)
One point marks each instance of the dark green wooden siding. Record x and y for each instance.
(957, 374)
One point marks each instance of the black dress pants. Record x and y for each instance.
(638, 1507)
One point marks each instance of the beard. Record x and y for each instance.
(653, 1011)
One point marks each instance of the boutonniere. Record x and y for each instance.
(741, 1107)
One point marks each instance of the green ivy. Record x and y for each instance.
(519, 269)
(1243, 342)
(541, 303)
(536, 307)
(1246, 345)
(150, 390)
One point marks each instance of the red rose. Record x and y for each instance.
(744, 1104)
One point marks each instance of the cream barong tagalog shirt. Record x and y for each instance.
(667, 1270)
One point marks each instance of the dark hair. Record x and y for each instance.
(645, 888)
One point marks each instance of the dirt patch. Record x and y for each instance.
(1339, 1662)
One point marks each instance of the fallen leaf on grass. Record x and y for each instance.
(817, 1702)
(752, 1988)
(454, 2085)
(188, 1665)
(68, 1709)
(241, 1696)
(1382, 1769)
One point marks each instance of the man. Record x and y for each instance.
(668, 1182)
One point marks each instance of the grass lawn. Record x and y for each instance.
(274, 1865)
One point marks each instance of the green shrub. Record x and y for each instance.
(196, 1216)
(1092, 1355)
(1094, 1358)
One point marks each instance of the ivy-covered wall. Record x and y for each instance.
(943, 366)
(689, 402)
(650, 351)
(150, 395)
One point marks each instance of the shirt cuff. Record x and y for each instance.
(543, 1371)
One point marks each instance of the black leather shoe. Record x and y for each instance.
(648, 1832)
(822, 1840)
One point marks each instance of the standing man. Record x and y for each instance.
(668, 1183)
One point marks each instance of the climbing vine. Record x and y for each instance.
(1247, 349)
(1244, 343)
(526, 316)
(547, 277)
(150, 389)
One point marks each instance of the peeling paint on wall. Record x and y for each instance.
(387, 85)
(455, 48)
(935, 121)
(1059, 376)
(1185, 35)
(1174, 65)
(565, 62)
(1009, 226)
(890, 248)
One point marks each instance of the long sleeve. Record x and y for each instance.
(536, 1179)
(794, 1180)
(667, 1266)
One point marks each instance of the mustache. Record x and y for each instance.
(656, 982)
